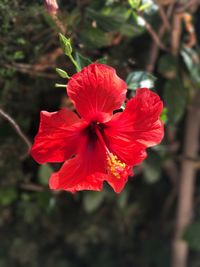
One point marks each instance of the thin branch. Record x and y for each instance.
(27, 69)
(186, 185)
(154, 35)
(40, 68)
(16, 127)
(53, 9)
(185, 7)
(38, 188)
(163, 16)
(33, 187)
(197, 165)
(154, 50)
(176, 33)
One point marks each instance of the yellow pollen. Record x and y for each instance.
(115, 166)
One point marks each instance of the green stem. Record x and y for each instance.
(68, 77)
(74, 62)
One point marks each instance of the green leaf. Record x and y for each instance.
(21, 41)
(191, 60)
(144, 7)
(102, 60)
(130, 30)
(139, 79)
(134, 3)
(44, 173)
(164, 115)
(92, 200)
(7, 196)
(94, 37)
(175, 96)
(18, 55)
(108, 22)
(62, 73)
(192, 235)
(81, 60)
(167, 66)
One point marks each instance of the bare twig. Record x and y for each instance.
(28, 69)
(33, 187)
(180, 15)
(163, 16)
(40, 68)
(154, 50)
(59, 23)
(154, 35)
(53, 8)
(185, 7)
(176, 33)
(38, 188)
(13, 123)
(197, 165)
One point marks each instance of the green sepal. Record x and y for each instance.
(65, 44)
(62, 73)
(60, 85)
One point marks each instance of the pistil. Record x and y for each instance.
(115, 166)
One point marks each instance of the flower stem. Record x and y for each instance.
(74, 62)
(60, 85)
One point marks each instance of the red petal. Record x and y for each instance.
(58, 136)
(96, 91)
(144, 110)
(117, 172)
(118, 184)
(138, 127)
(86, 171)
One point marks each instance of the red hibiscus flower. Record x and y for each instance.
(99, 146)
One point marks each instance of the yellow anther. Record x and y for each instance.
(115, 166)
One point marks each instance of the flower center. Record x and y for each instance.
(115, 166)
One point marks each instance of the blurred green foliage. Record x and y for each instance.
(43, 228)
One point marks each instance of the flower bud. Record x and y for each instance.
(65, 44)
(51, 6)
(62, 73)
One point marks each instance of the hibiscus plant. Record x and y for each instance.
(123, 117)
(99, 142)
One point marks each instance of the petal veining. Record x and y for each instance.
(58, 136)
(96, 91)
